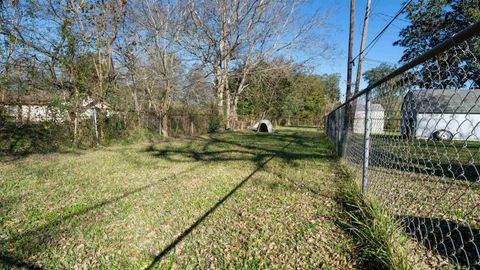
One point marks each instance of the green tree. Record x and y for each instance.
(281, 90)
(432, 22)
(313, 96)
(267, 90)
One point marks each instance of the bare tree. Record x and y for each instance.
(225, 35)
(197, 91)
(128, 57)
(159, 22)
(147, 54)
(46, 32)
(99, 24)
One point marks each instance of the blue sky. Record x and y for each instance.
(339, 20)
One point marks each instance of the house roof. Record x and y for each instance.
(444, 101)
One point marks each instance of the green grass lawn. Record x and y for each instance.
(234, 200)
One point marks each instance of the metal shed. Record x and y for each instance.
(441, 114)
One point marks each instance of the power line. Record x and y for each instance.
(378, 61)
(374, 4)
(385, 19)
(375, 40)
(390, 16)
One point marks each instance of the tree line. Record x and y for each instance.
(149, 55)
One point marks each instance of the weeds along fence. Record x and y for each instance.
(36, 129)
(412, 140)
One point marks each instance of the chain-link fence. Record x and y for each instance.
(413, 142)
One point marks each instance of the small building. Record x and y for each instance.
(40, 106)
(441, 114)
(377, 113)
(35, 106)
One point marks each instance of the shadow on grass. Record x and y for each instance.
(260, 159)
(33, 241)
(185, 233)
(459, 243)
(13, 262)
(259, 149)
(253, 147)
(455, 170)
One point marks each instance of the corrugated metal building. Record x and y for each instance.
(441, 114)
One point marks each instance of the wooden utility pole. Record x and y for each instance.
(348, 93)
(362, 47)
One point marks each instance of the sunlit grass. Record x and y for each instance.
(237, 200)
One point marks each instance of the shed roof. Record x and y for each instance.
(444, 101)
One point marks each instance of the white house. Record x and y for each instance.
(37, 107)
(441, 114)
(378, 119)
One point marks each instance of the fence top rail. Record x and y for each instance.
(454, 40)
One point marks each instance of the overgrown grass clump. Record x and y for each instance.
(381, 241)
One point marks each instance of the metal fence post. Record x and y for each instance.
(366, 141)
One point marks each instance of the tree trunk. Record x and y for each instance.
(29, 112)
(192, 128)
(164, 124)
(100, 123)
(160, 124)
(95, 123)
(233, 110)
(137, 107)
(163, 112)
(75, 129)
(220, 88)
(228, 110)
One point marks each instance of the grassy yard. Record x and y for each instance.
(235, 200)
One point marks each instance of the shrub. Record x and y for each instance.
(31, 138)
(214, 123)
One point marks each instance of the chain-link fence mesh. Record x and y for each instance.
(423, 151)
